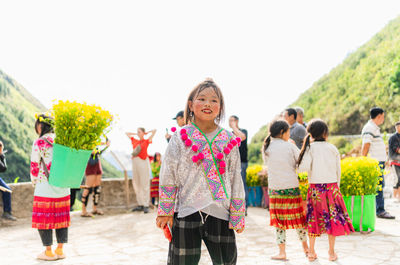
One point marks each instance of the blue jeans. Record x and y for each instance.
(243, 173)
(6, 197)
(380, 201)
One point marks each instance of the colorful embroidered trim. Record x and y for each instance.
(292, 191)
(167, 200)
(211, 156)
(237, 212)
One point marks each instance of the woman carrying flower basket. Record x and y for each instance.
(93, 175)
(50, 203)
(141, 168)
(326, 210)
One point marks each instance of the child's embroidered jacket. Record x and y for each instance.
(196, 173)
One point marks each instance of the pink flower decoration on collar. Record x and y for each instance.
(195, 148)
(183, 131)
(173, 129)
(227, 150)
(188, 142)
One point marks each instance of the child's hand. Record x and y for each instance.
(162, 221)
(239, 230)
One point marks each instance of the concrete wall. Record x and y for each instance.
(112, 196)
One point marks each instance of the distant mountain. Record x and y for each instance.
(17, 109)
(368, 77)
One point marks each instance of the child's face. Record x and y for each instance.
(206, 106)
(286, 135)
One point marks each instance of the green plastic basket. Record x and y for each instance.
(68, 166)
(362, 212)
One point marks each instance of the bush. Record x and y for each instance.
(360, 176)
(303, 184)
(252, 178)
(80, 126)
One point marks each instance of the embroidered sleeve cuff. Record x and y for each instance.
(237, 213)
(167, 200)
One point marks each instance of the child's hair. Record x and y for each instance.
(142, 129)
(155, 157)
(46, 123)
(277, 128)
(318, 129)
(196, 91)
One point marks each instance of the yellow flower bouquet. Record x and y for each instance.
(252, 177)
(78, 128)
(360, 176)
(253, 182)
(303, 184)
(359, 183)
(79, 125)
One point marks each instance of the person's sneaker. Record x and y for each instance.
(9, 216)
(146, 209)
(137, 209)
(385, 215)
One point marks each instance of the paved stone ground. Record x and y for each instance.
(122, 237)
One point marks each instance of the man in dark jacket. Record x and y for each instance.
(5, 194)
(394, 155)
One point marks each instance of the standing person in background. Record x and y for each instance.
(242, 134)
(141, 168)
(286, 210)
(297, 131)
(394, 155)
(93, 174)
(179, 120)
(373, 144)
(6, 195)
(300, 116)
(326, 211)
(50, 203)
(155, 169)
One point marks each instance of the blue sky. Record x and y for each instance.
(140, 59)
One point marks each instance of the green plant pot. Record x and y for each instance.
(68, 166)
(362, 211)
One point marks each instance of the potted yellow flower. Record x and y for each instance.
(78, 128)
(359, 184)
(253, 184)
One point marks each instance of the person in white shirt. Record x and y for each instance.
(326, 211)
(373, 145)
(280, 157)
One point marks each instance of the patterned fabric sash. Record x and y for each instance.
(292, 191)
(210, 150)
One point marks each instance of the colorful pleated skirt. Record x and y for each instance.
(326, 211)
(51, 213)
(286, 209)
(154, 187)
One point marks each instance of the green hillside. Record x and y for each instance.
(17, 109)
(368, 77)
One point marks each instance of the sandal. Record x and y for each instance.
(86, 215)
(333, 257)
(98, 212)
(312, 257)
(279, 257)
